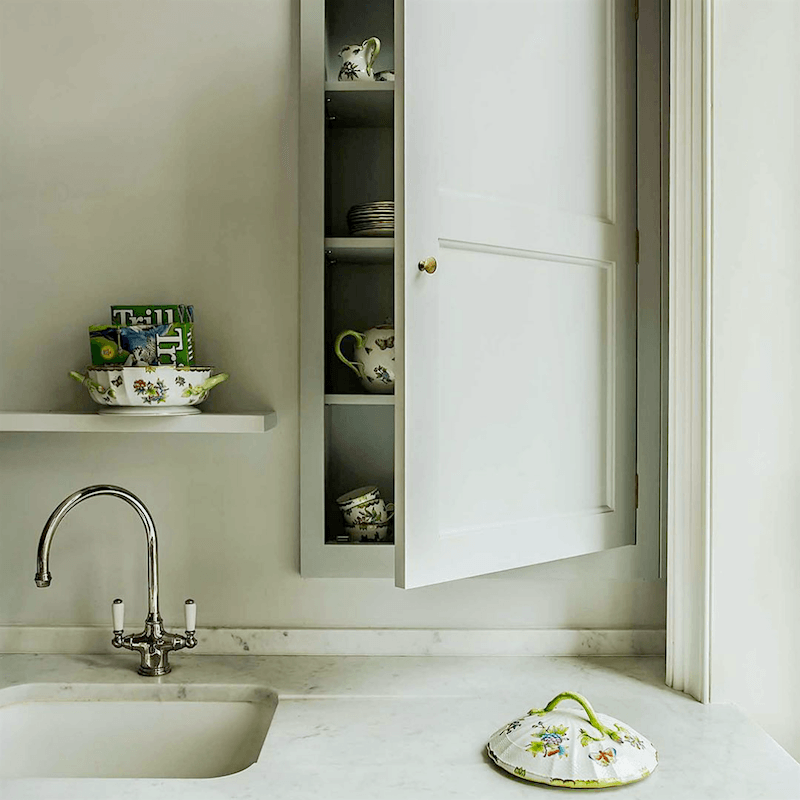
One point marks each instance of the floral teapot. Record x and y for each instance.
(358, 60)
(374, 357)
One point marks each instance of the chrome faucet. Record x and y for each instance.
(153, 644)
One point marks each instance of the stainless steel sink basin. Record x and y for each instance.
(131, 731)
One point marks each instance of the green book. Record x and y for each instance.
(151, 314)
(142, 345)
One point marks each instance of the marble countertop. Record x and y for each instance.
(415, 727)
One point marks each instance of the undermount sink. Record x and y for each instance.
(131, 731)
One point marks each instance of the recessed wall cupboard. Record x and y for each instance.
(508, 144)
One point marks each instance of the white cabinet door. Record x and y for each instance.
(516, 401)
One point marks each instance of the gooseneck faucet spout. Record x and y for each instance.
(154, 643)
(43, 575)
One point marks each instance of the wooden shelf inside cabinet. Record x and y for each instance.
(360, 250)
(359, 399)
(359, 104)
(91, 422)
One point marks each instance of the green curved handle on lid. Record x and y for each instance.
(587, 707)
(337, 345)
(372, 47)
(213, 381)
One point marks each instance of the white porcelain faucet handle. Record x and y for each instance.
(118, 613)
(190, 610)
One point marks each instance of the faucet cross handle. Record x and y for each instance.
(190, 613)
(118, 614)
(118, 617)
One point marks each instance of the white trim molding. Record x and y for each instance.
(357, 642)
(690, 272)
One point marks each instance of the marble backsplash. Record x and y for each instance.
(358, 641)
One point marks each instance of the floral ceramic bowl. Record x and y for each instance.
(148, 387)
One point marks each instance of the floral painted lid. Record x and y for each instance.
(571, 747)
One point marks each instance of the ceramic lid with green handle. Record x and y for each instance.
(576, 748)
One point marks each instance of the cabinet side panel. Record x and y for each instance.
(312, 302)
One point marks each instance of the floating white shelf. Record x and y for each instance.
(361, 250)
(90, 422)
(359, 399)
(359, 104)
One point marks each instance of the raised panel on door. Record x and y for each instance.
(517, 398)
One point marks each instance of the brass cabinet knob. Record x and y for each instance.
(428, 265)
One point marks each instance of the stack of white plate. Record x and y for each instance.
(371, 219)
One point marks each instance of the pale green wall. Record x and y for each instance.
(148, 149)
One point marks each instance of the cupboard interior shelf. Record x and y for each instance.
(359, 399)
(356, 104)
(360, 250)
(348, 87)
(334, 543)
(91, 422)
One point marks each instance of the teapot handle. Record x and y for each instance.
(360, 340)
(371, 49)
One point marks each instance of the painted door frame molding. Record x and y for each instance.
(690, 349)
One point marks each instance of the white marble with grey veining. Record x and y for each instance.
(404, 728)
(358, 642)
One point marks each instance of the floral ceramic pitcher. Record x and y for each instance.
(374, 357)
(358, 60)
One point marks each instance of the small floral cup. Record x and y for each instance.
(364, 506)
(369, 533)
